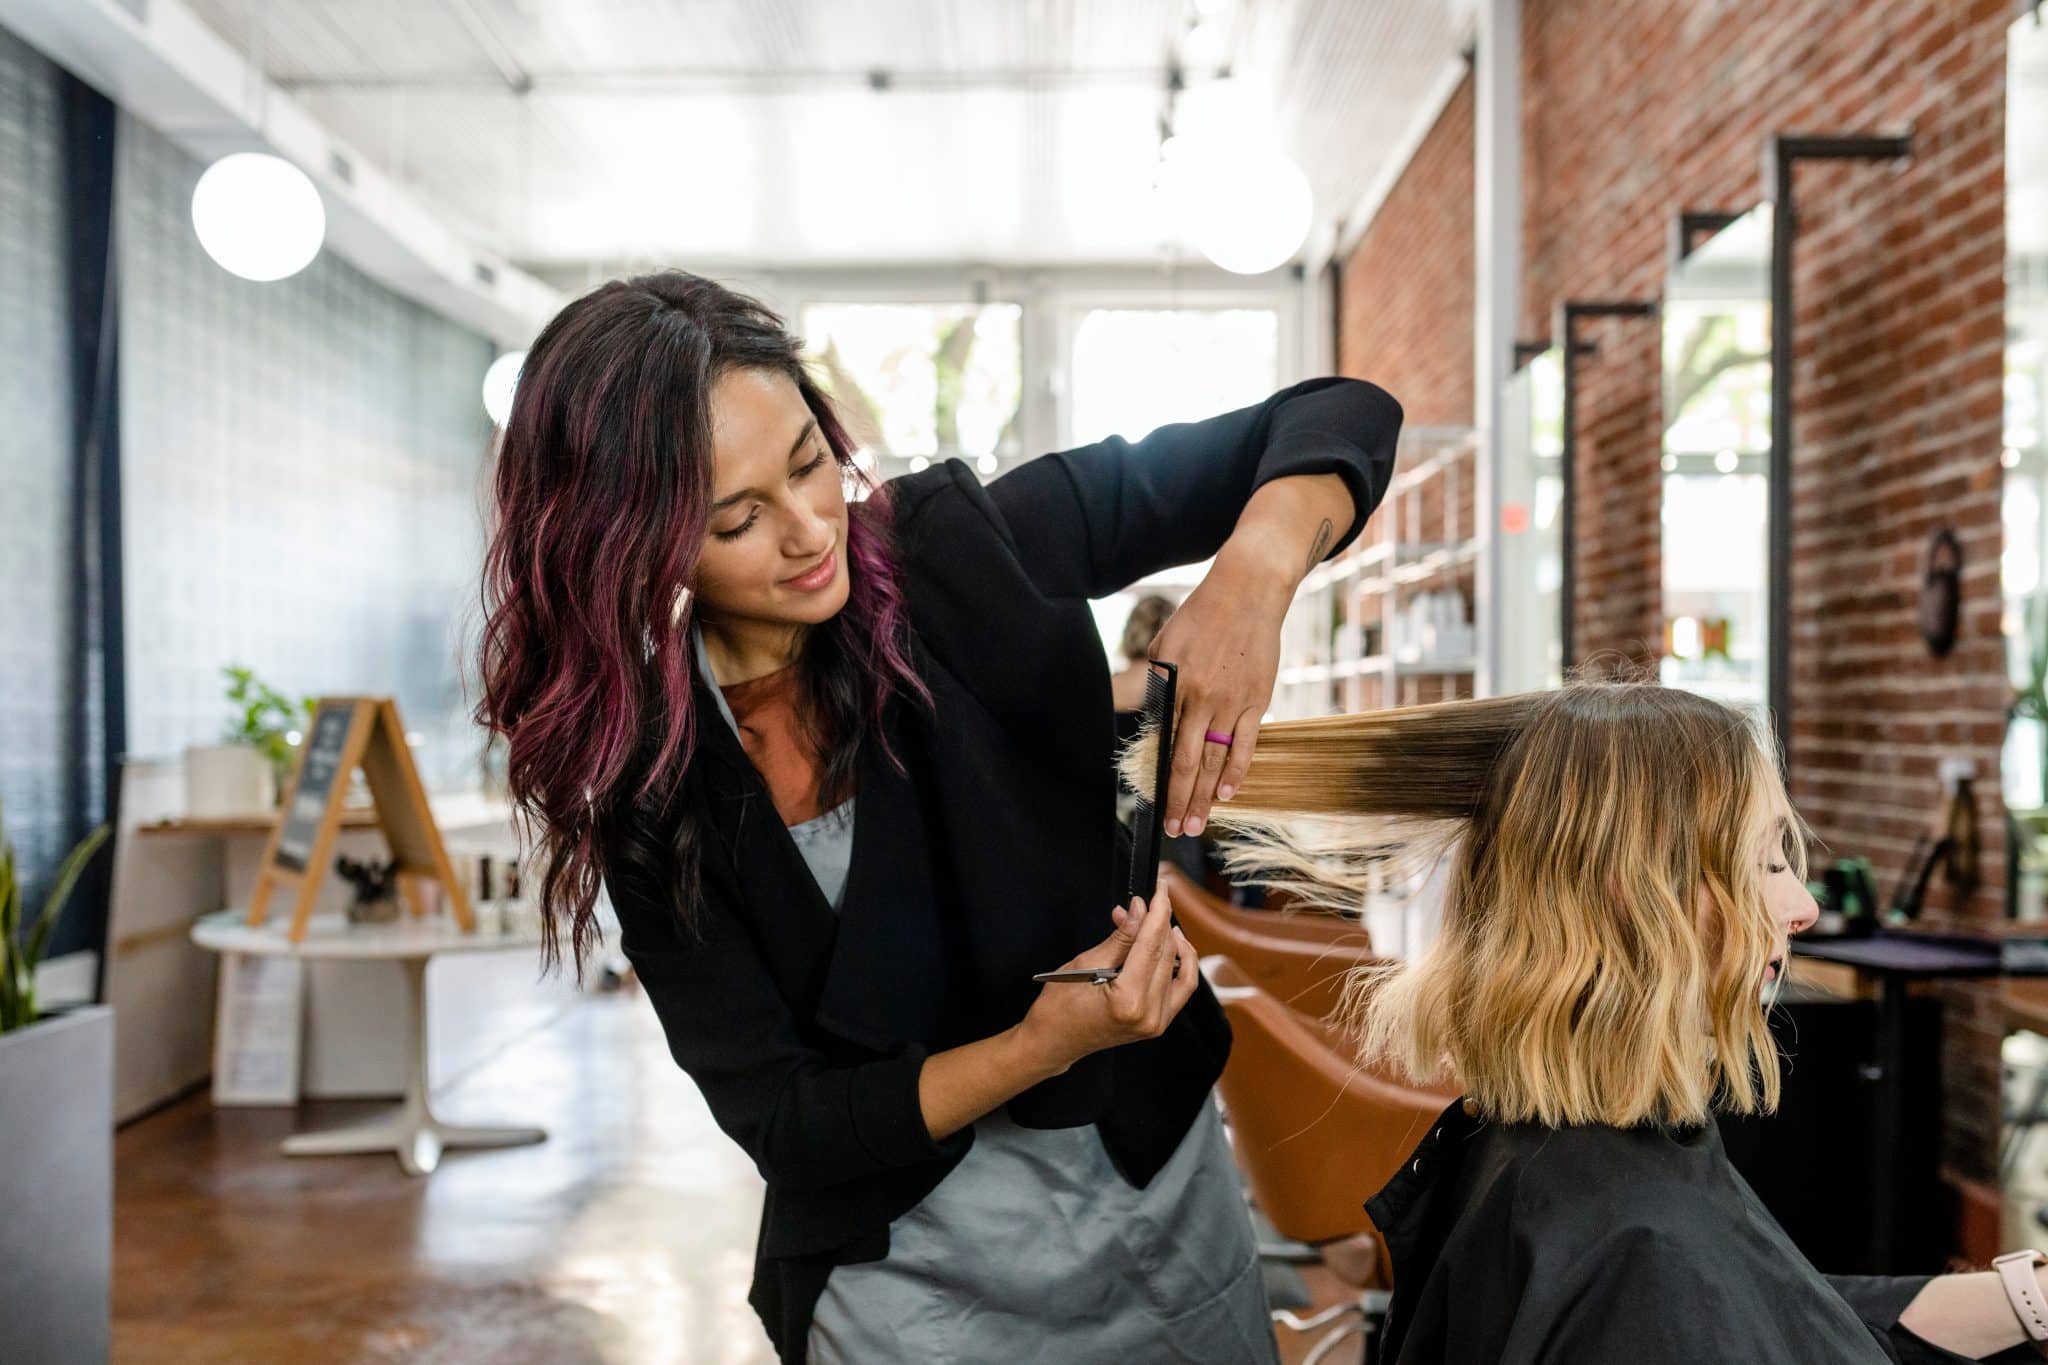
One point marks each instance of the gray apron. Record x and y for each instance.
(1034, 1250)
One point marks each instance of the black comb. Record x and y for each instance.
(1155, 718)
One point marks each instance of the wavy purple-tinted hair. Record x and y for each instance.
(601, 504)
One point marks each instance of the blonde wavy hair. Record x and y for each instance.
(1605, 933)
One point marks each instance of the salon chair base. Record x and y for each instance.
(1363, 1317)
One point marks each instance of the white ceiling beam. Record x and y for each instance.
(486, 38)
(160, 63)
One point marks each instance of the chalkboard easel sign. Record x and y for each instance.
(348, 733)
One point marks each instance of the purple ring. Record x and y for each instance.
(1214, 738)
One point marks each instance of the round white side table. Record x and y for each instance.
(412, 1131)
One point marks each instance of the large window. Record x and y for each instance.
(923, 373)
(916, 382)
(1135, 369)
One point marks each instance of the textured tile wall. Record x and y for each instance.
(301, 473)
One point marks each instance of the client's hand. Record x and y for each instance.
(1069, 1020)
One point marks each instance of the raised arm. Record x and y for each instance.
(1226, 637)
(1093, 520)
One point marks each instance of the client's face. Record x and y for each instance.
(1791, 904)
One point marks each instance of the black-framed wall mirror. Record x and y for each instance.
(1530, 540)
(1717, 468)
(2023, 572)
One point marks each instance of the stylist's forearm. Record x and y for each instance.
(1289, 526)
(961, 1084)
(1967, 1314)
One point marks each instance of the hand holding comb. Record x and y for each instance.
(1155, 717)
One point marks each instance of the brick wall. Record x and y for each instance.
(1405, 322)
(1406, 306)
(1635, 109)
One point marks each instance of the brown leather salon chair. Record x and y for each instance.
(1301, 958)
(1315, 1135)
(1281, 917)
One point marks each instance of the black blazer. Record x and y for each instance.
(996, 855)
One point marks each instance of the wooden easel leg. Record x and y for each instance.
(259, 899)
(302, 911)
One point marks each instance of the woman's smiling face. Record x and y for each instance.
(775, 549)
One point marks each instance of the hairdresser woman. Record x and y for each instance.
(844, 769)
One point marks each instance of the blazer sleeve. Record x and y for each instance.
(1090, 521)
(807, 1122)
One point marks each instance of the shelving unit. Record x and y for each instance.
(1343, 646)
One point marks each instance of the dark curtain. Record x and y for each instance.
(94, 714)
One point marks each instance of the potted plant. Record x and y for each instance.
(57, 1130)
(245, 772)
(2030, 698)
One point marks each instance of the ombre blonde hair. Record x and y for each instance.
(1605, 933)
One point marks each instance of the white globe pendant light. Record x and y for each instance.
(1250, 208)
(1225, 186)
(501, 381)
(258, 216)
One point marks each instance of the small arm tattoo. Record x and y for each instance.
(1322, 545)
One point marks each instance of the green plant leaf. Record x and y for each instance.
(37, 944)
(19, 956)
(2037, 630)
(10, 896)
(69, 872)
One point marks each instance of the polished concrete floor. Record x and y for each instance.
(627, 1237)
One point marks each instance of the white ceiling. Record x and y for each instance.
(747, 132)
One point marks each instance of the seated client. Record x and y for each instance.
(1623, 873)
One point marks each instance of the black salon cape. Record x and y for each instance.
(1519, 1245)
(994, 857)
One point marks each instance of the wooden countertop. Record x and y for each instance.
(352, 817)
(452, 811)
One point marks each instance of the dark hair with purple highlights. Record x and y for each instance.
(602, 496)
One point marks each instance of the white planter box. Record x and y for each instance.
(227, 780)
(57, 1187)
